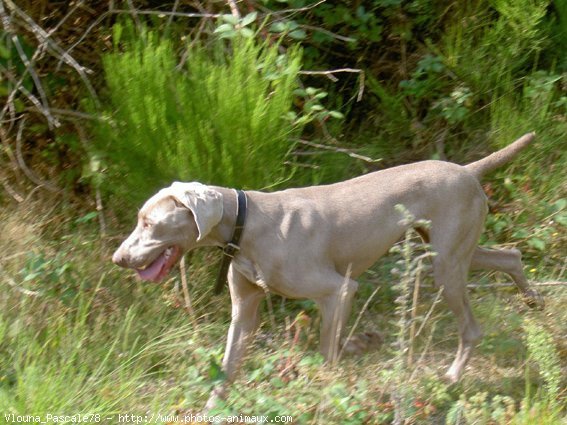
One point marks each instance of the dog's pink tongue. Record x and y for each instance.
(152, 271)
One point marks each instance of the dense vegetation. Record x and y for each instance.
(105, 102)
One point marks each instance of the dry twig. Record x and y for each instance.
(11, 191)
(165, 13)
(329, 33)
(233, 9)
(338, 150)
(7, 24)
(337, 324)
(113, 11)
(413, 316)
(29, 173)
(357, 321)
(98, 196)
(330, 74)
(134, 14)
(300, 9)
(45, 41)
(18, 87)
(17, 287)
(430, 312)
(186, 295)
(170, 19)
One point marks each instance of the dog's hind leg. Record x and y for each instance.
(335, 309)
(453, 278)
(508, 261)
(454, 239)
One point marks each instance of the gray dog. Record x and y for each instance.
(313, 243)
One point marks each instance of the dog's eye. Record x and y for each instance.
(146, 224)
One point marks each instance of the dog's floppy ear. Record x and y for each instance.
(205, 204)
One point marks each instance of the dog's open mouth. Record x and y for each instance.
(160, 267)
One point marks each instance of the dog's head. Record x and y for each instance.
(170, 223)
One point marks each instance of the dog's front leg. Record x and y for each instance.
(246, 298)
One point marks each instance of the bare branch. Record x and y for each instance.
(45, 40)
(76, 6)
(98, 196)
(17, 287)
(18, 86)
(339, 150)
(7, 150)
(170, 19)
(510, 284)
(330, 74)
(19, 198)
(75, 114)
(300, 9)
(29, 173)
(113, 11)
(430, 312)
(7, 24)
(550, 283)
(329, 33)
(233, 8)
(361, 87)
(194, 36)
(87, 31)
(332, 71)
(165, 13)
(351, 333)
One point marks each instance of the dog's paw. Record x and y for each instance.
(218, 395)
(533, 299)
(363, 342)
(451, 377)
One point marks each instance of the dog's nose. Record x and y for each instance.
(120, 259)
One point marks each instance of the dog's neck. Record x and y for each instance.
(222, 233)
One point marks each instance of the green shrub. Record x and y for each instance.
(226, 118)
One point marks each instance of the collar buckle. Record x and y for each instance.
(230, 249)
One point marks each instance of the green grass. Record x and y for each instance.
(121, 346)
(86, 357)
(106, 349)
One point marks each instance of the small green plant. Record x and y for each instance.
(426, 80)
(455, 107)
(480, 408)
(289, 28)
(312, 108)
(232, 26)
(408, 273)
(349, 406)
(542, 352)
(52, 276)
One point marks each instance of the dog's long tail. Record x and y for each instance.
(499, 158)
